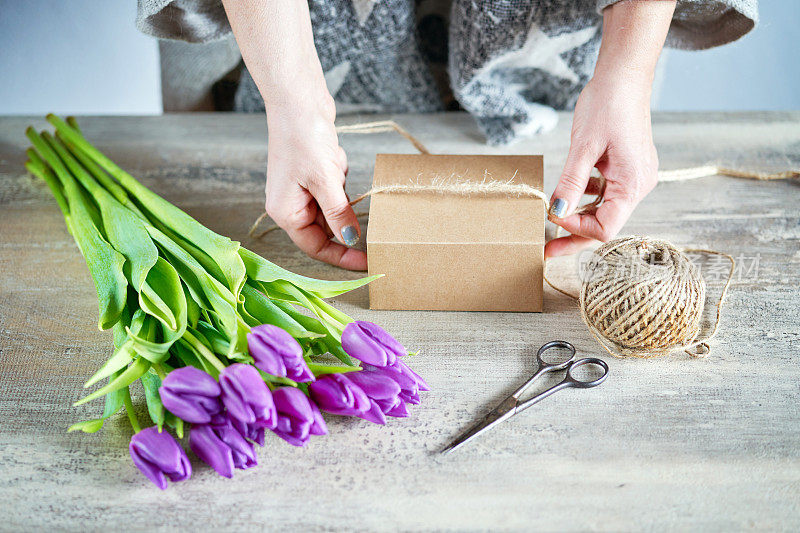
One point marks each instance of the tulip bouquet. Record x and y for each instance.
(225, 344)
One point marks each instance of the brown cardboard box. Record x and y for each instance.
(454, 252)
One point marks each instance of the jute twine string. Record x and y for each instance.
(508, 188)
(641, 297)
(684, 174)
(453, 185)
(380, 127)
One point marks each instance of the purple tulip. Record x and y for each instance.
(297, 419)
(410, 383)
(246, 396)
(403, 368)
(222, 447)
(384, 395)
(278, 353)
(369, 343)
(191, 395)
(319, 427)
(249, 431)
(159, 457)
(336, 394)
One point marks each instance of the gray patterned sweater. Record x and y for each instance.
(510, 63)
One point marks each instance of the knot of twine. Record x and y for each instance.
(645, 297)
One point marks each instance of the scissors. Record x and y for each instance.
(512, 405)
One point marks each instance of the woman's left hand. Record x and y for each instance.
(611, 127)
(611, 132)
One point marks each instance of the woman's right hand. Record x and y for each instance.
(306, 167)
(306, 170)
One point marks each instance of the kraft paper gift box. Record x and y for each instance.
(445, 251)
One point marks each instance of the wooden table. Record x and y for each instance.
(665, 443)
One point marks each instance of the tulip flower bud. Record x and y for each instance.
(319, 427)
(222, 447)
(403, 368)
(384, 395)
(191, 395)
(410, 383)
(249, 431)
(278, 353)
(246, 396)
(336, 394)
(296, 417)
(159, 457)
(369, 343)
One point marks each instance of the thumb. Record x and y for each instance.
(336, 209)
(574, 180)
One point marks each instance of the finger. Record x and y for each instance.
(573, 181)
(314, 242)
(320, 221)
(602, 225)
(342, 160)
(568, 245)
(337, 210)
(595, 188)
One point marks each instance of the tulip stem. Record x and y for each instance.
(159, 371)
(179, 428)
(126, 399)
(270, 380)
(204, 351)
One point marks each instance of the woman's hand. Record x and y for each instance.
(611, 128)
(306, 167)
(611, 132)
(306, 171)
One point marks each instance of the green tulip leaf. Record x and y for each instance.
(113, 404)
(321, 370)
(163, 297)
(104, 262)
(151, 382)
(222, 250)
(124, 379)
(124, 229)
(263, 270)
(265, 311)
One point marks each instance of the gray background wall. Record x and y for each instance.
(77, 57)
(759, 71)
(86, 57)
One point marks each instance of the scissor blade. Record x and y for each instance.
(494, 417)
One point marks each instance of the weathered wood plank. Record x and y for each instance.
(665, 443)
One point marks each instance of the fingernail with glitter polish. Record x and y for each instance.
(559, 208)
(349, 235)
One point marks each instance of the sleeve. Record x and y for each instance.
(189, 72)
(193, 21)
(701, 24)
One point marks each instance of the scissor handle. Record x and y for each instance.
(569, 381)
(583, 384)
(551, 367)
(544, 367)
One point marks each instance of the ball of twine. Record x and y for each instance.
(643, 295)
